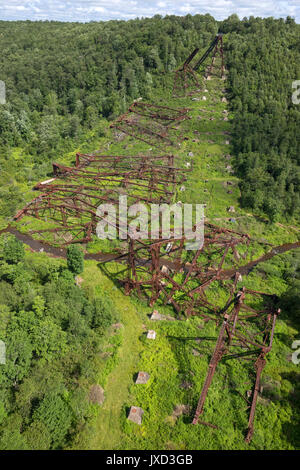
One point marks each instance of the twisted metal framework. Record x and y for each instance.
(161, 114)
(248, 332)
(154, 175)
(185, 79)
(147, 126)
(70, 199)
(217, 47)
(123, 161)
(163, 269)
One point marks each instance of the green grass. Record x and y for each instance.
(170, 359)
(105, 432)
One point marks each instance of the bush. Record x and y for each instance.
(38, 436)
(56, 416)
(75, 259)
(104, 314)
(13, 250)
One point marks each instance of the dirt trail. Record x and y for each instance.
(247, 268)
(38, 246)
(106, 257)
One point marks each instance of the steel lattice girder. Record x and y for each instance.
(156, 265)
(163, 164)
(185, 78)
(147, 130)
(152, 192)
(162, 114)
(73, 205)
(218, 50)
(95, 196)
(217, 46)
(247, 331)
(76, 213)
(155, 175)
(149, 180)
(124, 161)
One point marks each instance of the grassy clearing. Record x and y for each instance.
(177, 360)
(104, 432)
(177, 363)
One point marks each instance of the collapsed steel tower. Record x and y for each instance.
(69, 201)
(159, 268)
(246, 332)
(186, 81)
(217, 48)
(152, 124)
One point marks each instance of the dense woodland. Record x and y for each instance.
(263, 57)
(64, 82)
(53, 331)
(63, 79)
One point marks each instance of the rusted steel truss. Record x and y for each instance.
(70, 211)
(123, 161)
(217, 52)
(148, 130)
(216, 47)
(70, 199)
(185, 79)
(71, 206)
(155, 175)
(247, 331)
(164, 271)
(161, 114)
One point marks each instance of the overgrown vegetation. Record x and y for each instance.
(263, 57)
(64, 80)
(75, 259)
(64, 83)
(54, 335)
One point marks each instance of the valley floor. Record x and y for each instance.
(177, 360)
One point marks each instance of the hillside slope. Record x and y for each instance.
(58, 124)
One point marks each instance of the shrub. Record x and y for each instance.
(13, 250)
(75, 259)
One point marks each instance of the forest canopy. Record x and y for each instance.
(65, 83)
(64, 79)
